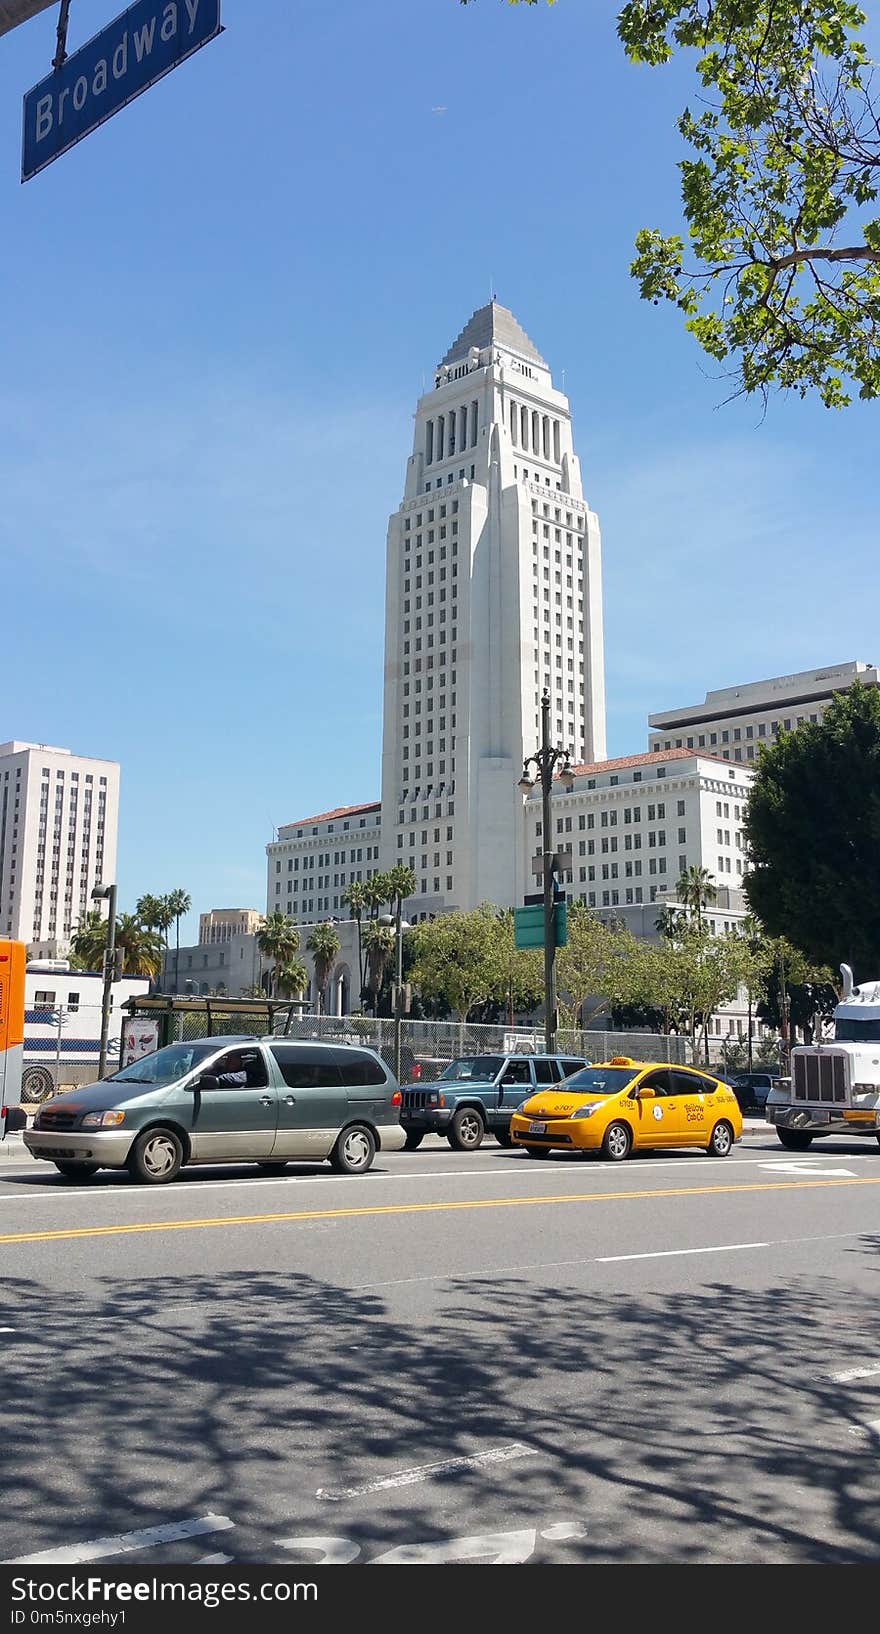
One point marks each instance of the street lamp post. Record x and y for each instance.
(400, 925)
(99, 892)
(545, 761)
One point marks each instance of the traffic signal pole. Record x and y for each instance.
(109, 962)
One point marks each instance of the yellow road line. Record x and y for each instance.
(421, 1208)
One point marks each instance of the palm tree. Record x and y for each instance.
(376, 891)
(89, 941)
(402, 883)
(155, 915)
(292, 978)
(668, 922)
(696, 889)
(178, 903)
(278, 940)
(379, 942)
(142, 945)
(355, 898)
(323, 944)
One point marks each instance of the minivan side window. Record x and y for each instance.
(304, 1068)
(358, 1068)
(244, 1069)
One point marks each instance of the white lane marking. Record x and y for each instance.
(675, 1253)
(802, 1168)
(853, 1373)
(7, 1330)
(454, 1275)
(125, 1542)
(493, 1548)
(333, 1551)
(563, 1531)
(424, 1472)
(214, 1560)
(873, 1425)
(518, 1168)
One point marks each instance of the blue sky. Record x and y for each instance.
(215, 318)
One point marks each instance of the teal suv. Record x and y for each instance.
(225, 1100)
(478, 1094)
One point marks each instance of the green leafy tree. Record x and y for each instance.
(780, 280)
(278, 940)
(456, 959)
(813, 833)
(589, 966)
(323, 944)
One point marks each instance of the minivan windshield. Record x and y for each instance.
(473, 1066)
(166, 1066)
(599, 1080)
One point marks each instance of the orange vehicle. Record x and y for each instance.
(13, 959)
(620, 1106)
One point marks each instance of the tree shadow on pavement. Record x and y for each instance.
(697, 1427)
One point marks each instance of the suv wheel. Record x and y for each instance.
(466, 1130)
(156, 1157)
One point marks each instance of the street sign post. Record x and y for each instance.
(127, 57)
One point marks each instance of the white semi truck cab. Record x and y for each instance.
(834, 1087)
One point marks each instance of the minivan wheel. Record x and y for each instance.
(156, 1157)
(466, 1130)
(77, 1171)
(354, 1150)
(414, 1138)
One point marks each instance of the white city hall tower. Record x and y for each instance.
(494, 593)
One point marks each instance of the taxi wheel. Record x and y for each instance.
(156, 1157)
(354, 1151)
(77, 1171)
(617, 1143)
(538, 1151)
(466, 1130)
(721, 1144)
(414, 1138)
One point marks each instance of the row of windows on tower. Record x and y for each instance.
(429, 517)
(535, 433)
(451, 433)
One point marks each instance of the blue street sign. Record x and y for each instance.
(126, 58)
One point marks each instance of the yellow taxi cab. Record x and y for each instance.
(623, 1105)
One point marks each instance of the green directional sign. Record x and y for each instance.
(528, 926)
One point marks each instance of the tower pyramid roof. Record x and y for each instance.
(494, 325)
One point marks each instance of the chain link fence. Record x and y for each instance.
(426, 1047)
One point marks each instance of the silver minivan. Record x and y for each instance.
(225, 1100)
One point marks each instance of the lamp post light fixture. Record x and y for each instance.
(546, 760)
(400, 925)
(99, 892)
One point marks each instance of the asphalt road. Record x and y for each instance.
(457, 1356)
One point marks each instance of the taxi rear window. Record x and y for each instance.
(600, 1080)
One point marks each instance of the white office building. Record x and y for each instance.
(59, 814)
(631, 827)
(493, 592)
(734, 720)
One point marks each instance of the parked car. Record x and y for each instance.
(476, 1094)
(622, 1105)
(225, 1100)
(752, 1088)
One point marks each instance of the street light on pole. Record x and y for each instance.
(400, 925)
(546, 760)
(99, 892)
